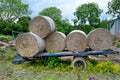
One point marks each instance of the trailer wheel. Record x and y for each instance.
(79, 63)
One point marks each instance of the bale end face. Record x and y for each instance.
(29, 44)
(55, 42)
(42, 26)
(100, 39)
(76, 41)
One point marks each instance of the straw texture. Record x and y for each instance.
(55, 42)
(29, 44)
(100, 39)
(42, 26)
(76, 41)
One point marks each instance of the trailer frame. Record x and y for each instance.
(79, 58)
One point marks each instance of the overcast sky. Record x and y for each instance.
(68, 7)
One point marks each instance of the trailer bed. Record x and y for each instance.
(68, 53)
(78, 57)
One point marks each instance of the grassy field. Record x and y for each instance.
(55, 69)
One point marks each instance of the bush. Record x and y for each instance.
(6, 38)
(93, 66)
(85, 28)
(107, 67)
(6, 28)
(49, 63)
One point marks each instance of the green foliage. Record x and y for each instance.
(86, 28)
(117, 44)
(7, 54)
(52, 68)
(7, 28)
(64, 26)
(52, 12)
(24, 20)
(49, 63)
(6, 38)
(102, 24)
(93, 66)
(107, 67)
(114, 8)
(10, 10)
(114, 37)
(87, 13)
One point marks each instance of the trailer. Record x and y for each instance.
(79, 58)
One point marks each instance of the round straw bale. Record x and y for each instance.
(76, 41)
(55, 42)
(42, 26)
(100, 39)
(29, 44)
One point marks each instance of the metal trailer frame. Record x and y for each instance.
(79, 58)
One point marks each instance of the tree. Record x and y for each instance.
(114, 8)
(24, 21)
(102, 24)
(52, 12)
(87, 13)
(10, 10)
(64, 26)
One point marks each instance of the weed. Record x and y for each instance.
(93, 66)
(106, 67)
(7, 54)
(6, 38)
(48, 64)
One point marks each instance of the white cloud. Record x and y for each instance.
(68, 7)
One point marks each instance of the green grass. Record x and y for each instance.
(93, 66)
(5, 38)
(54, 69)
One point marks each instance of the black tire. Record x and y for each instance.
(79, 63)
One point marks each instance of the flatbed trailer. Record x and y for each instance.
(79, 58)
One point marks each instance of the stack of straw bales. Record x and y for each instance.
(98, 39)
(44, 37)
